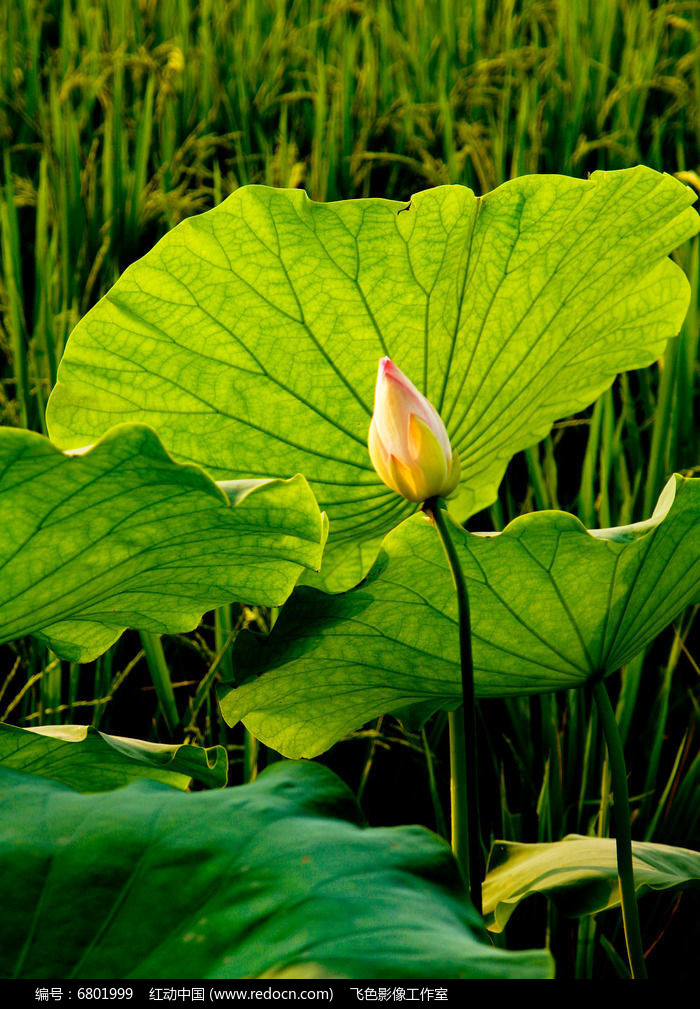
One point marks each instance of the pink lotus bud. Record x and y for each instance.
(408, 443)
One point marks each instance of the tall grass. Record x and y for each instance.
(118, 119)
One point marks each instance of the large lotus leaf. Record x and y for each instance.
(552, 605)
(122, 536)
(92, 761)
(278, 877)
(579, 873)
(249, 337)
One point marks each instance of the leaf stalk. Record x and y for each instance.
(464, 792)
(623, 832)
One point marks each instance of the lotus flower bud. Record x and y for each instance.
(408, 443)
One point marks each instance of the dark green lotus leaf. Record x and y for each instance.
(280, 878)
(249, 337)
(579, 873)
(552, 605)
(92, 761)
(122, 536)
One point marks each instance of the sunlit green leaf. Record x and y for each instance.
(124, 537)
(249, 336)
(92, 761)
(280, 878)
(551, 606)
(579, 873)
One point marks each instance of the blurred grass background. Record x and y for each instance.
(118, 118)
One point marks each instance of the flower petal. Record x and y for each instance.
(408, 443)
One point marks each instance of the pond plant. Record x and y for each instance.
(219, 432)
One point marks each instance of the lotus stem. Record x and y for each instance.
(466, 843)
(459, 813)
(623, 832)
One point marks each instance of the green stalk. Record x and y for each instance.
(463, 763)
(623, 832)
(225, 633)
(434, 794)
(585, 948)
(459, 803)
(160, 675)
(251, 748)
